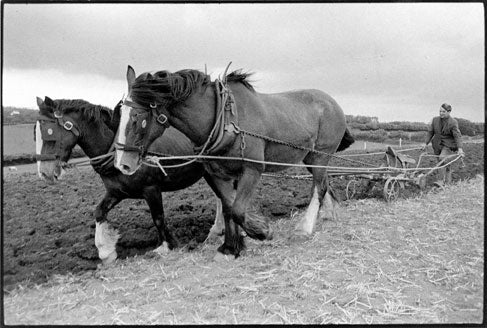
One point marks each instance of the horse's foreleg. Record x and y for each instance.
(256, 226)
(224, 190)
(218, 228)
(105, 236)
(165, 240)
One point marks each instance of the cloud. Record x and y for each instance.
(21, 87)
(413, 55)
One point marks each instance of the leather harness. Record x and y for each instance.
(225, 130)
(223, 133)
(50, 131)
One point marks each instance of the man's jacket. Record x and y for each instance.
(449, 136)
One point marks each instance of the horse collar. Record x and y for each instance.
(224, 132)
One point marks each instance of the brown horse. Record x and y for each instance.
(229, 118)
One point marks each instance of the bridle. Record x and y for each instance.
(152, 109)
(50, 131)
(161, 118)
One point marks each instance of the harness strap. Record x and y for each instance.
(67, 124)
(105, 165)
(224, 133)
(64, 122)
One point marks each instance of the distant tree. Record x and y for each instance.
(360, 119)
(466, 127)
(25, 115)
(479, 127)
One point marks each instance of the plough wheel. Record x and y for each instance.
(391, 189)
(421, 181)
(351, 189)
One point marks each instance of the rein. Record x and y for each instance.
(331, 169)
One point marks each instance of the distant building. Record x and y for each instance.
(15, 112)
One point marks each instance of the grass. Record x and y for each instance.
(417, 260)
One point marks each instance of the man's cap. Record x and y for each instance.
(447, 107)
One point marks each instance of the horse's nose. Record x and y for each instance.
(126, 162)
(125, 168)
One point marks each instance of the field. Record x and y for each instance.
(419, 259)
(19, 146)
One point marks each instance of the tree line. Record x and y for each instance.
(361, 125)
(358, 123)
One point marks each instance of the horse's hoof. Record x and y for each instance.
(109, 259)
(219, 257)
(162, 250)
(300, 236)
(327, 215)
(270, 234)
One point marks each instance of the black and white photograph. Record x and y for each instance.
(242, 163)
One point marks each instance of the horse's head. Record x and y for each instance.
(55, 135)
(141, 122)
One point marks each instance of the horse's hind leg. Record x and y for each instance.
(320, 194)
(166, 240)
(306, 225)
(330, 203)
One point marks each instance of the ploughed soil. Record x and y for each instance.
(49, 229)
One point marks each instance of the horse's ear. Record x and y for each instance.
(40, 102)
(48, 101)
(130, 76)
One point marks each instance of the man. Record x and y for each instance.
(447, 140)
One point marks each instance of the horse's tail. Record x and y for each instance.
(347, 140)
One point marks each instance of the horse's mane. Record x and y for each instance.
(97, 113)
(240, 77)
(168, 88)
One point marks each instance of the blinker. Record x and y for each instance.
(48, 131)
(58, 114)
(144, 124)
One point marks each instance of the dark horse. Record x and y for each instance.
(64, 123)
(229, 118)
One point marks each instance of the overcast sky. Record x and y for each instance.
(396, 61)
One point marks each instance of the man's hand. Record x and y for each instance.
(460, 152)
